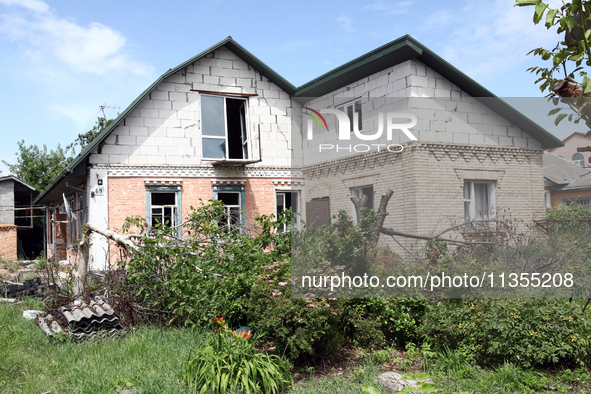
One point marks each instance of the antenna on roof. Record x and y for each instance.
(105, 106)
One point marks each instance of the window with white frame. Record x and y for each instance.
(224, 127)
(163, 206)
(233, 198)
(479, 200)
(287, 200)
(353, 110)
(582, 201)
(359, 192)
(578, 159)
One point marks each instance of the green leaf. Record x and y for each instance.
(559, 118)
(559, 58)
(522, 3)
(370, 389)
(550, 16)
(577, 57)
(554, 111)
(539, 12)
(570, 23)
(586, 85)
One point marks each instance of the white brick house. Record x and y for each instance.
(224, 125)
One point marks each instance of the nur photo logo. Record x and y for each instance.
(347, 123)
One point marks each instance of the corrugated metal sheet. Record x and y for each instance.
(96, 319)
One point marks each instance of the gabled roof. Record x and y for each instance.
(228, 43)
(406, 48)
(392, 53)
(12, 177)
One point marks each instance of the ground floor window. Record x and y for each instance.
(583, 201)
(233, 199)
(359, 192)
(479, 201)
(164, 206)
(287, 200)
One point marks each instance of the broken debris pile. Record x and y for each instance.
(30, 288)
(96, 319)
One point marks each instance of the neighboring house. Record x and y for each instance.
(223, 125)
(18, 238)
(566, 182)
(569, 150)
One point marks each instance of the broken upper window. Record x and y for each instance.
(353, 110)
(479, 200)
(287, 200)
(224, 127)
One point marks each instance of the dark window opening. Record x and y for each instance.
(287, 200)
(163, 209)
(224, 128)
(233, 206)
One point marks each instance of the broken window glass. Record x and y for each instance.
(224, 132)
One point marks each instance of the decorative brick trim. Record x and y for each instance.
(163, 182)
(8, 227)
(228, 181)
(289, 182)
(200, 171)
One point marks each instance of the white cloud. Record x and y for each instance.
(488, 38)
(346, 23)
(33, 5)
(396, 7)
(43, 38)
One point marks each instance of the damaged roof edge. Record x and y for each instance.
(229, 42)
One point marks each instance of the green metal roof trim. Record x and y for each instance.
(406, 48)
(229, 43)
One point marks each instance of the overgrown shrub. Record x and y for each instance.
(206, 273)
(301, 328)
(524, 331)
(570, 218)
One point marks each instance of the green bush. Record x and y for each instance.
(231, 363)
(301, 328)
(207, 273)
(573, 216)
(398, 319)
(524, 331)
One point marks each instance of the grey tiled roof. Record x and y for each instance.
(564, 174)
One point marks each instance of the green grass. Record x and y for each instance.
(148, 358)
(153, 359)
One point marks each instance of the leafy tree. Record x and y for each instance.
(566, 79)
(38, 167)
(84, 139)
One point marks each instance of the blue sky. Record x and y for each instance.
(60, 60)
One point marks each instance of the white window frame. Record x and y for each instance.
(176, 209)
(358, 192)
(470, 213)
(351, 105)
(295, 196)
(579, 161)
(245, 129)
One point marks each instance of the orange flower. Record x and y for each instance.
(218, 320)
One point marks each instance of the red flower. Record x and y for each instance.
(218, 320)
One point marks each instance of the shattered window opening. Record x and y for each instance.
(287, 200)
(359, 192)
(224, 131)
